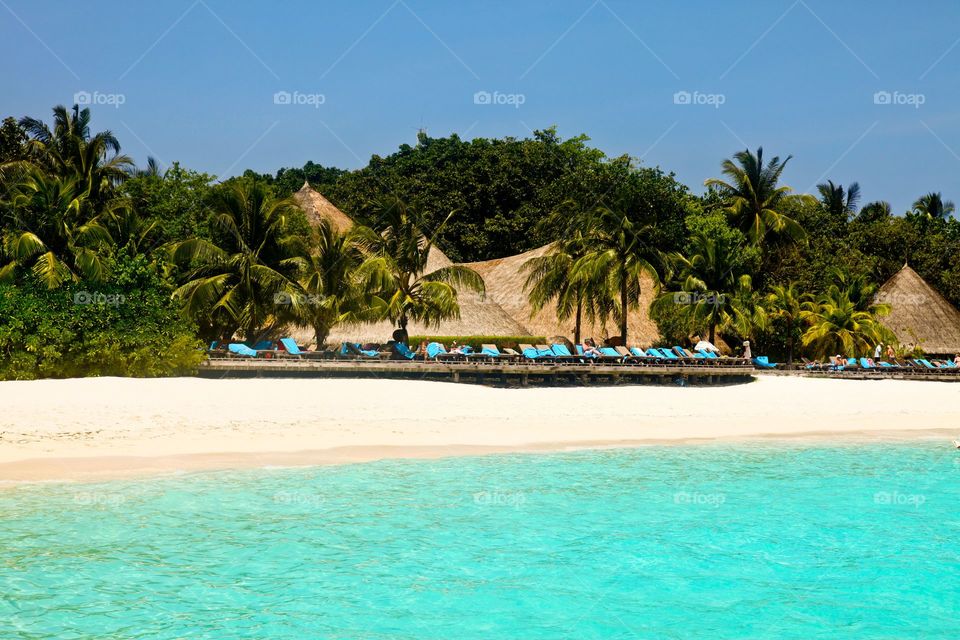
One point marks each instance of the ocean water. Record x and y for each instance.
(746, 541)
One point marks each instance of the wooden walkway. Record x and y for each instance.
(519, 374)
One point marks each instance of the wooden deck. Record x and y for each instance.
(490, 373)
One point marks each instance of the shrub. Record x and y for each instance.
(127, 326)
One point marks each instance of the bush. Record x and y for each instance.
(127, 326)
(504, 342)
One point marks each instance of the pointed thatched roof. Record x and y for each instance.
(318, 208)
(505, 278)
(504, 310)
(919, 315)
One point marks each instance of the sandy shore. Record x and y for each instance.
(99, 428)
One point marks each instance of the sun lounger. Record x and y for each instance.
(562, 354)
(240, 349)
(401, 351)
(764, 363)
(290, 348)
(354, 350)
(581, 351)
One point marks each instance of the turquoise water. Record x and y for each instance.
(665, 542)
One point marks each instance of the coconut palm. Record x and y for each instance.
(242, 278)
(398, 270)
(836, 326)
(329, 277)
(933, 206)
(50, 236)
(785, 302)
(873, 211)
(617, 253)
(839, 202)
(69, 150)
(708, 281)
(754, 201)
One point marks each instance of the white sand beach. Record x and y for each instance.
(97, 428)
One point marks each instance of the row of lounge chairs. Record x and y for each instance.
(527, 354)
(911, 365)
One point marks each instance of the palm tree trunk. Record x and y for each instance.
(713, 331)
(577, 326)
(623, 309)
(789, 343)
(320, 333)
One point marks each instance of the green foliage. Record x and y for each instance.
(126, 326)
(504, 342)
(501, 190)
(176, 201)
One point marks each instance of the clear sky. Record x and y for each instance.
(197, 80)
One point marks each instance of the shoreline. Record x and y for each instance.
(108, 428)
(110, 468)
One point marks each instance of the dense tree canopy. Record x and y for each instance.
(237, 259)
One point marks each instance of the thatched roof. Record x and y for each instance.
(318, 208)
(505, 278)
(504, 310)
(919, 315)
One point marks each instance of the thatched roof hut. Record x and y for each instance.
(318, 208)
(919, 315)
(503, 311)
(505, 278)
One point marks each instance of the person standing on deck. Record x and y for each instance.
(878, 351)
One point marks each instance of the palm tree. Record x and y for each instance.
(841, 204)
(754, 201)
(617, 254)
(398, 273)
(329, 269)
(784, 302)
(710, 280)
(242, 278)
(49, 234)
(873, 211)
(836, 326)
(69, 150)
(933, 206)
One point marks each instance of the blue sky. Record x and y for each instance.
(197, 81)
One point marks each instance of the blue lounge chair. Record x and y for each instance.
(865, 363)
(403, 351)
(562, 353)
(609, 353)
(290, 346)
(241, 349)
(354, 349)
(435, 349)
(667, 353)
(764, 363)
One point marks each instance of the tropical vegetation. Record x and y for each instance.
(107, 268)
